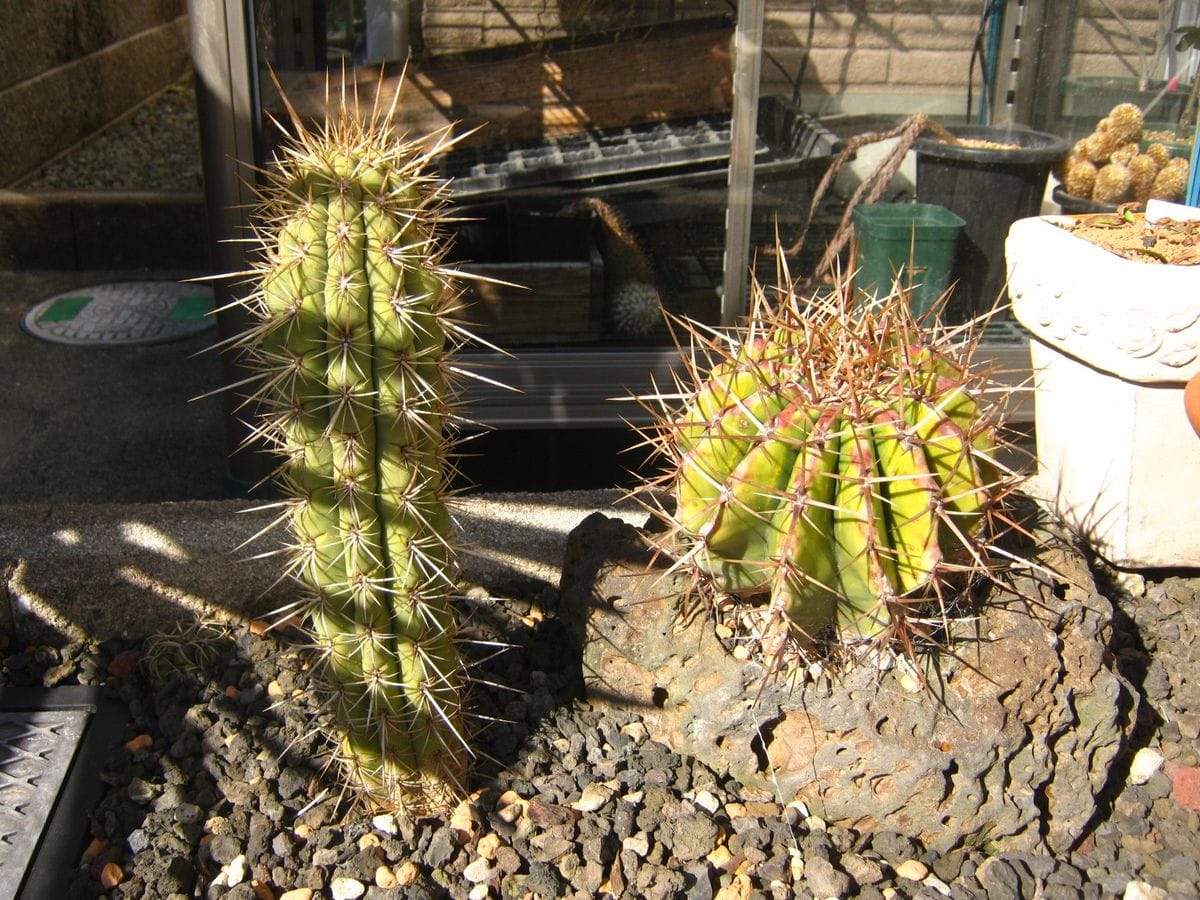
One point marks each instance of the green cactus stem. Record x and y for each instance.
(837, 461)
(354, 318)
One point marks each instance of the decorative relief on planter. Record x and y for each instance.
(1139, 321)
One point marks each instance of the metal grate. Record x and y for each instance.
(36, 750)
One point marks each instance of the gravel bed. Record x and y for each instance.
(154, 148)
(221, 788)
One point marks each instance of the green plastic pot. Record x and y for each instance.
(915, 241)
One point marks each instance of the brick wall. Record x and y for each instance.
(69, 67)
(868, 56)
(1101, 45)
(855, 55)
(450, 25)
(909, 55)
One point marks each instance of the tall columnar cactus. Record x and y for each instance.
(836, 460)
(354, 318)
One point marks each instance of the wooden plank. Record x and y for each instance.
(555, 302)
(525, 93)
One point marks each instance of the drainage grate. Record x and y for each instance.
(51, 748)
(135, 312)
(36, 749)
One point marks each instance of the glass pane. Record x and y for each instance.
(595, 166)
(597, 161)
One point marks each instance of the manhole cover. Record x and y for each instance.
(135, 312)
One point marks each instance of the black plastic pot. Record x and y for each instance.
(1077, 205)
(989, 189)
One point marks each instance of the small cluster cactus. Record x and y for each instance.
(1110, 166)
(354, 316)
(634, 301)
(835, 464)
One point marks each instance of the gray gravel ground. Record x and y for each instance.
(221, 790)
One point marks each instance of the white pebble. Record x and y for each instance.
(635, 730)
(796, 864)
(707, 801)
(1140, 890)
(479, 871)
(346, 888)
(594, 796)
(638, 843)
(934, 883)
(912, 869)
(385, 824)
(1145, 763)
(235, 872)
(479, 892)
(1132, 582)
(910, 683)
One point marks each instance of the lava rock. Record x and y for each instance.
(1017, 746)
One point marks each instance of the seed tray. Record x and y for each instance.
(677, 151)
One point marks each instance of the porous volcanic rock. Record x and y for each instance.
(1012, 742)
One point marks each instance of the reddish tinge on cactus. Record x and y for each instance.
(833, 463)
(354, 318)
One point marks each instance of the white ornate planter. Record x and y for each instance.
(1114, 342)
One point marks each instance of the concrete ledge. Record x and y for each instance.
(102, 230)
(78, 571)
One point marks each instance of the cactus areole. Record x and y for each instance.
(835, 460)
(353, 319)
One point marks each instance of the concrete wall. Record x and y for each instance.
(69, 67)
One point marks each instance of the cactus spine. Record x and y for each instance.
(353, 320)
(836, 461)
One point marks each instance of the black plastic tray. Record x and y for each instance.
(789, 141)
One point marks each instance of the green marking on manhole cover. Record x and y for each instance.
(134, 312)
(63, 309)
(193, 308)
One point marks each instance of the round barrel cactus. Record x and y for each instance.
(354, 317)
(834, 461)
